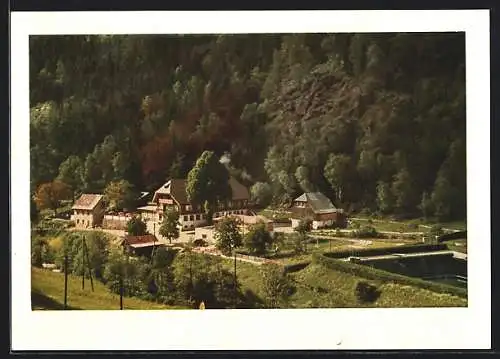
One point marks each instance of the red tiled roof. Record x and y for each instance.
(87, 201)
(148, 238)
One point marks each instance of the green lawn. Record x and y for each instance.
(413, 225)
(391, 226)
(337, 244)
(47, 293)
(320, 287)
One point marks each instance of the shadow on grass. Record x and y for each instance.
(40, 301)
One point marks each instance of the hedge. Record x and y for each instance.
(454, 235)
(412, 248)
(289, 268)
(377, 274)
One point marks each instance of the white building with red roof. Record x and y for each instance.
(88, 211)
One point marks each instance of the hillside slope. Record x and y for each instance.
(47, 293)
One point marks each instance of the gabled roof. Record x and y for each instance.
(240, 192)
(318, 201)
(145, 239)
(87, 201)
(176, 188)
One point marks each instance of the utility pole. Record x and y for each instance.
(83, 266)
(190, 275)
(65, 281)
(235, 291)
(88, 263)
(121, 292)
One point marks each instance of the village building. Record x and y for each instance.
(140, 245)
(88, 211)
(173, 195)
(317, 207)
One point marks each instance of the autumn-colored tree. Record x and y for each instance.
(49, 195)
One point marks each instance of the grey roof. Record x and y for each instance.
(87, 201)
(318, 201)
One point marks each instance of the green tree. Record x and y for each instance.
(385, 199)
(275, 285)
(261, 193)
(70, 172)
(303, 228)
(169, 226)
(338, 171)
(136, 227)
(442, 197)
(120, 195)
(208, 183)
(426, 205)
(302, 176)
(403, 191)
(258, 239)
(120, 268)
(227, 235)
(97, 251)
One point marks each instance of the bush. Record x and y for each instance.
(366, 292)
(366, 232)
(200, 243)
(411, 248)
(290, 268)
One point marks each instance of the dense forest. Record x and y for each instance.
(374, 121)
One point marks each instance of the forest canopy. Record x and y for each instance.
(374, 121)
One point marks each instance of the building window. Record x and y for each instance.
(204, 236)
(197, 217)
(191, 217)
(185, 218)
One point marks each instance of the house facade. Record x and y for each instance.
(173, 195)
(319, 208)
(88, 211)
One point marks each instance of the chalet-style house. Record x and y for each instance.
(317, 207)
(140, 245)
(88, 211)
(173, 195)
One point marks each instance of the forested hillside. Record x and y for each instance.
(375, 121)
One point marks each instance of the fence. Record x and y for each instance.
(115, 221)
(243, 257)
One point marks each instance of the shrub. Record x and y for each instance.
(200, 243)
(290, 268)
(367, 232)
(366, 292)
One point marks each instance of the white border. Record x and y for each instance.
(433, 328)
